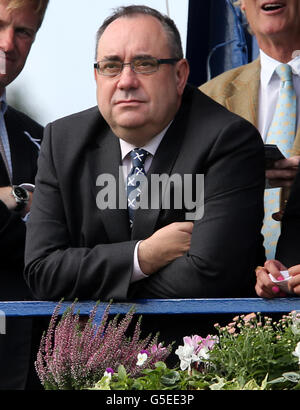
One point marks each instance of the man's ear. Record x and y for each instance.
(182, 73)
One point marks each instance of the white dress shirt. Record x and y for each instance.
(126, 148)
(269, 89)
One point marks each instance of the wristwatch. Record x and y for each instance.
(21, 196)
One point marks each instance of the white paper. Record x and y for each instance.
(282, 284)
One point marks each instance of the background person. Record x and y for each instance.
(19, 23)
(287, 252)
(252, 91)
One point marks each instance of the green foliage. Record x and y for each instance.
(250, 353)
(252, 346)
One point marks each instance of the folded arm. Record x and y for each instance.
(226, 242)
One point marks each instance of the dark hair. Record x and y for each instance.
(167, 23)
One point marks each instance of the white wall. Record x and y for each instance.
(58, 77)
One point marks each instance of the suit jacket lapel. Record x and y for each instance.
(244, 98)
(105, 158)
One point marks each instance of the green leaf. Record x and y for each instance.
(292, 376)
(171, 378)
(278, 380)
(122, 372)
(219, 385)
(160, 365)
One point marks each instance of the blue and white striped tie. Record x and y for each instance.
(134, 188)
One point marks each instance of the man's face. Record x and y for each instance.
(138, 104)
(273, 18)
(17, 32)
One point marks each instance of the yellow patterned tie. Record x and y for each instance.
(282, 133)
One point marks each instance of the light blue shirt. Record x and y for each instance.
(3, 132)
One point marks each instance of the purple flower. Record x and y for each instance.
(74, 354)
(158, 348)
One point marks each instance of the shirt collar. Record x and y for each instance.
(151, 147)
(269, 64)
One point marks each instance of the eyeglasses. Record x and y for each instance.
(138, 65)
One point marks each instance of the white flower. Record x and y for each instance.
(142, 357)
(203, 353)
(297, 351)
(107, 374)
(187, 356)
(295, 323)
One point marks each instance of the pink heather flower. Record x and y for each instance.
(74, 356)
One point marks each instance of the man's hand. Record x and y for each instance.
(7, 198)
(264, 287)
(284, 172)
(164, 246)
(294, 282)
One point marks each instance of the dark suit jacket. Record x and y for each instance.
(288, 249)
(16, 344)
(24, 154)
(73, 249)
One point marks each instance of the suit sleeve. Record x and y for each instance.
(12, 234)
(226, 242)
(56, 266)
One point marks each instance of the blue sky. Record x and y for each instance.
(58, 77)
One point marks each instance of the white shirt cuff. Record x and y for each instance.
(137, 273)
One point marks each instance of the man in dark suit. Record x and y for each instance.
(20, 139)
(75, 248)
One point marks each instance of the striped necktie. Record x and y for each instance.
(282, 133)
(134, 181)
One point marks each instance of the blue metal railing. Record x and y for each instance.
(158, 306)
